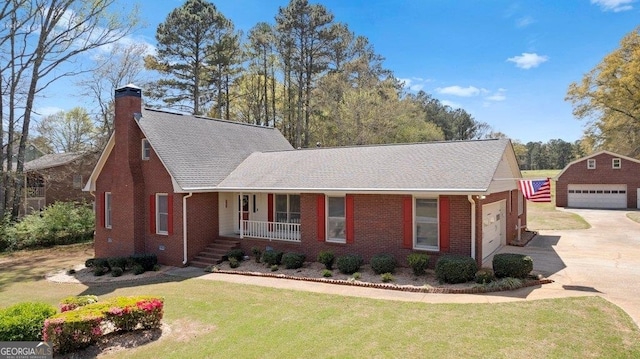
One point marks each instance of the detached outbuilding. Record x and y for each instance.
(601, 180)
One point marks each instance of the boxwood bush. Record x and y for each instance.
(383, 263)
(484, 276)
(293, 260)
(512, 265)
(349, 263)
(453, 269)
(327, 258)
(236, 253)
(271, 257)
(418, 263)
(146, 261)
(24, 321)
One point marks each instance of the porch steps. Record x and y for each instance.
(214, 252)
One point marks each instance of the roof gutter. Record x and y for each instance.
(184, 227)
(451, 191)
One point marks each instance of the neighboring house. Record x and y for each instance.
(57, 177)
(184, 187)
(601, 180)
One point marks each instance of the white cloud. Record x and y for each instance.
(528, 60)
(414, 84)
(460, 91)
(614, 5)
(524, 21)
(499, 95)
(451, 104)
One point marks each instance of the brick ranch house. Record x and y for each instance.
(188, 188)
(601, 180)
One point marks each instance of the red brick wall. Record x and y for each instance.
(378, 229)
(202, 217)
(511, 213)
(628, 174)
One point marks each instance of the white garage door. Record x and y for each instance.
(597, 195)
(493, 227)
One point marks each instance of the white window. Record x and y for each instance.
(336, 222)
(616, 163)
(426, 224)
(287, 208)
(107, 209)
(591, 164)
(77, 181)
(146, 149)
(162, 213)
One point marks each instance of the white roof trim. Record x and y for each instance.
(91, 183)
(616, 155)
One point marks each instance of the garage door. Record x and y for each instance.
(493, 227)
(597, 195)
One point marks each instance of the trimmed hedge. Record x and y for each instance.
(327, 258)
(383, 263)
(454, 269)
(24, 321)
(271, 257)
(236, 253)
(349, 263)
(138, 263)
(418, 263)
(512, 265)
(73, 302)
(293, 260)
(81, 327)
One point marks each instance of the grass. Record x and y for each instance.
(634, 216)
(541, 216)
(216, 319)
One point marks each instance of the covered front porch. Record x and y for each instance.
(260, 215)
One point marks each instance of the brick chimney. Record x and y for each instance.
(128, 192)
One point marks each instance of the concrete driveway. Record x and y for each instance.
(603, 260)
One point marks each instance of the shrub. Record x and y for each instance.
(349, 263)
(327, 258)
(59, 223)
(89, 263)
(484, 276)
(147, 261)
(116, 271)
(293, 260)
(271, 257)
(76, 329)
(99, 271)
(100, 263)
(234, 262)
(512, 265)
(383, 263)
(386, 277)
(257, 253)
(24, 321)
(122, 262)
(327, 273)
(418, 263)
(453, 269)
(236, 253)
(156, 267)
(71, 271)
(73, 302)
(138, 269)
(274, 267)
(356, 275)
(502, 284)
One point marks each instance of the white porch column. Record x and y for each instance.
(240, 213)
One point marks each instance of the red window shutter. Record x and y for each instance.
(407, 218)
(349, 218)
(321, 218)
(170, 213)
(444, 215)
(152, 213)
(270, 207)
(101, 207)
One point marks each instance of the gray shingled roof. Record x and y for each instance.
(51, 160)
(462, 166)
(200, 152)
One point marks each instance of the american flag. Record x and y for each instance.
(536, 190)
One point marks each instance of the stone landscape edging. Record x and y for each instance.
(390, 286)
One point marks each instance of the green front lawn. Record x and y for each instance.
(542, 216)
(222, 320)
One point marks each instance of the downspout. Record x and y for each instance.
(184, 227)
(473, 226)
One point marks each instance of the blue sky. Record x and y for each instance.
(508, 63)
